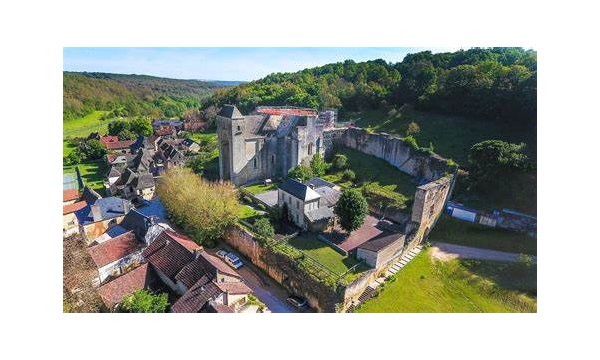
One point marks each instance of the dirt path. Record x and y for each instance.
(443, 251)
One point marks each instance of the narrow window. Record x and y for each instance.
(310, 149)
(238, 128)
(255, 163)
(272, 159)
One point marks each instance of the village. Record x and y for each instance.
(134, 247)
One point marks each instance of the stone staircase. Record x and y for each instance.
(392, 270)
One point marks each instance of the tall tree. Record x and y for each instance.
(351, 209)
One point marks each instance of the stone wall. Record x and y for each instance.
(396, 152)
(284, 270)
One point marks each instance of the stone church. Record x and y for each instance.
(268, 142)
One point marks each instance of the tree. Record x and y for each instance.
(141, 126)
(492, 161)
(318, 165)
(92, 149)
(351, 209)
(301, 173)
(126, 134)
(348, 175)
(202, 208)
(413, 129)
(115, 127)
(143, 301)
(263, 228)
(340, 161)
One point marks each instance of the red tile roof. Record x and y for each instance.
(168, 256)
(67, 209)
(219, 264)
(70, 194)
(114, 249)
(234, 288)
(195, 298)
(113, 292)
(113, 142)
(183, 240)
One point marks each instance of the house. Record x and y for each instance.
(114, 291)
(165, 131)
(99, 214)
(177, 124)
(190, 145)
(134, 186)
(303, 205)
(142, 143)
(380, 251)
(112, 143)
(70, 222)
(115, 256)
(194, 274)
(70, 196)
(267, 143)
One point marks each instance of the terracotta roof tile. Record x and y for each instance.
(114, 249)
(67, 209)
(70, 194)
(196, 297)
(234, 288)
(167, 256)
(113, 292)
(183, 240)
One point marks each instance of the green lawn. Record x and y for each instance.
(326, 255)
(93, 174)
(247, 212)
(425, 285)
(451, 136)
(260, 188)
(459, 232)
(82, 127)
(376, 172)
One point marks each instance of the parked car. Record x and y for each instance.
(222, 254)
(233, 260)
(297, 301)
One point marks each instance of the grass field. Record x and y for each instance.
(93, 174)
(451, 136)
(425, 285)
(82, 127)
(459, 232)
(326, 255)
(260, 188)
(374, 171)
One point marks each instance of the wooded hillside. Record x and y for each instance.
(492, 83)
(131, 95)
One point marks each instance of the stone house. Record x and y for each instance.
(100, 214)
(190, 145)
(267, 143)
(115, 256)
(380, 251)
(204, 281)
(303, 205)
(114, 291)
(113, 144)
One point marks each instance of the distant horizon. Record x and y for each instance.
(221, 64)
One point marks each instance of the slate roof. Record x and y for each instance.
(230, 111)
(70, 194)
(317, 182)
(142, 161)
(321, 213)
(138, 181)
(116, 231)
(136, 222)
(114, 249)
(113, 292)
(114, 172)
(298, 190)
(67, 209)
(329, 196)
(110, 208)
(89, 195)
(142, 142)
(381, 243)
(153, 208)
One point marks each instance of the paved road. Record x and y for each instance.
(445, 251)
(265, 289)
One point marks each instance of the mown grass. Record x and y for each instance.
(327, 256)
(426, 285)
(454, 231)
(376, 172)
(260, 188)
(82, 127)
(93, 174)
(451, 136)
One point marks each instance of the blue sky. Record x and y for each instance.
(242, 64)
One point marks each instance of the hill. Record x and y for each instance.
(131, 95)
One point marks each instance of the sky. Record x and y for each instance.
(234, 64)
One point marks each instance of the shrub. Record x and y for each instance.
(318, 166)
(413, 129)
(301, 173)
(411, 142)
(348, 175)
(263, 228)
(143, 301)
(340, 161)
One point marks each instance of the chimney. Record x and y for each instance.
(96, 213)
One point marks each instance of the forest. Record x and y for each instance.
(132, 95)
(490, 83)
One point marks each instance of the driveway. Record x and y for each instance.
(445, 251)
(265, 289)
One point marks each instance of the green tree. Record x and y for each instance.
(351, 209)
(115, 127)
(143, 301)
(348, 175)
(340, 161)
(492, 161)
(413, 129)
(263, 228)
(301, 173)
(318, 165)
(141, 126)
(126, 134)
(92, 149)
